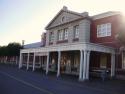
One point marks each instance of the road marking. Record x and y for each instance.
(26, 83)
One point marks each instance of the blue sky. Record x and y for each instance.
(26, 19)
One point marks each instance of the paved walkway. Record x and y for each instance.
(15, 81)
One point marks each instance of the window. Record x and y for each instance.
(103, 61)
(65, 33)
(123, 60)
(104, 30)
(76, 31)
(60, 35)
(51, 36)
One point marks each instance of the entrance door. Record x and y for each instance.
(123, 60)
(103, 61)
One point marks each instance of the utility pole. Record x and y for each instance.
(23, 41)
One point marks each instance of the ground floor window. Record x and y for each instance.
(103, 61)
(123, 60)
(70, 62)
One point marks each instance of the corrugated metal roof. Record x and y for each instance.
(33, 45)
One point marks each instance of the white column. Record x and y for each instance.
(16, 60)
(27, 62)
(59, 58)
(112, 65)
(81, 65)
(87, 65)
(20, 61)
(34, 59)
(40, 61)
(84, 65)
(47, 64)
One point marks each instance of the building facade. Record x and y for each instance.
(76, 43)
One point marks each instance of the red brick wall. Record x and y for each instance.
(109, 40)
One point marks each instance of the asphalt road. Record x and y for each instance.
(16, 81)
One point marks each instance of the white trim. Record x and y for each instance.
(71, 46)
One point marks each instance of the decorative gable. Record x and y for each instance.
(64, 16)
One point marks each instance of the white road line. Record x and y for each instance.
(26, 83)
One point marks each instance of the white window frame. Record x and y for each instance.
(104, 30)
(65, 33)
(76, 31)
(51, 36)
(60, 35)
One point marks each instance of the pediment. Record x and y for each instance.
(63, 16)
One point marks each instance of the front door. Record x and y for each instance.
(103, 61)
(123, 60)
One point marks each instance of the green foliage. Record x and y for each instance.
(12, 49)
(121, 36)
(3, 51)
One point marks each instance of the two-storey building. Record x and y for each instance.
(76, 43)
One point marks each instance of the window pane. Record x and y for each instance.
(104, 30)
(60, 35)
(76, 31)
(51, 36)
(66, 33)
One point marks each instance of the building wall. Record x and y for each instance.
(84, 32)
(67, 18)
(115, 21)
(88, 33)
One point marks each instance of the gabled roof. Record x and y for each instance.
(105, 14)
(64, 9)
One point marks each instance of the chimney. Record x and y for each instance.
(65, 8)
(23, 42)
(85, 14)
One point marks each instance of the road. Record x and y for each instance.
(20, 81)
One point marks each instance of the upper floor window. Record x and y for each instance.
(104, 30)
(76, 31)
(65, 33)
(60, 34)
(51, 36)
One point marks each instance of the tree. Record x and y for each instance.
(3, 51)
(121, 36)
(14, 49)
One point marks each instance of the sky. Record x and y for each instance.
(27, 19)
